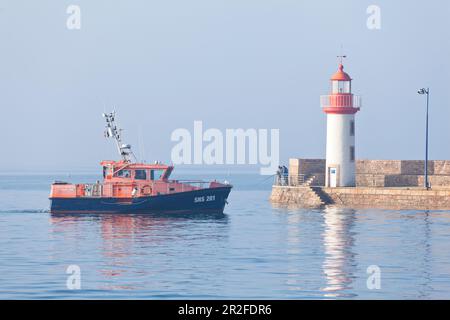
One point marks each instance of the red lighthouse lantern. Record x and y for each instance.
(341, 100)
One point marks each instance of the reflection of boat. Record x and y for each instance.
(129, 248)
(131, 187)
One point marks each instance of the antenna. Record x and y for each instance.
(141, 144)
(341, 57)
(113, 132)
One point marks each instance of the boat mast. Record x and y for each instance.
(113, 132)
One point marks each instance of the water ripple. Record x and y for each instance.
(253, 251)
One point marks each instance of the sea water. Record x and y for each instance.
(254, 251)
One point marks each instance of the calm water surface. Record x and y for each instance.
(254, 250)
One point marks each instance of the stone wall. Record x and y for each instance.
(390, 198)
(402, 167)
(307, 168)
(378, 167)
(302, 197)
(401, 173)
(383, 198)
(379, 173)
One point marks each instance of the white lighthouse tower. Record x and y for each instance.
(340, 106)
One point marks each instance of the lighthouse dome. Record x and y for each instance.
(340, 75)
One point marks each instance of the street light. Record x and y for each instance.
(427, 92)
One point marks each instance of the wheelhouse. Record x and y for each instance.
(121, 171)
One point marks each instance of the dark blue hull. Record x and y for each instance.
(199, 201)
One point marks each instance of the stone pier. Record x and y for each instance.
(363, 197)
(386, 184)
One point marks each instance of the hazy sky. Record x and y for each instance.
(229, 63)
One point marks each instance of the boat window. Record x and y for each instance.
(106, 171)
(140, 174)
(156, 174)
(123, 174)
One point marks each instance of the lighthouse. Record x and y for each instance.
(340, 107)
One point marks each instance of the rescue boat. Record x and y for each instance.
(136, 187)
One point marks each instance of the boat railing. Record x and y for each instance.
(99, 190)
(198, 184)
(92, 189)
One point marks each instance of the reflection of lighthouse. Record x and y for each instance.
(339, 263)
(340, 107)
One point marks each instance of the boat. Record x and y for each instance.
(130, 186)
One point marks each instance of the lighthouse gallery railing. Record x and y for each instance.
(340, 101)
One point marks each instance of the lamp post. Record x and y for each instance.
(427, 92)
